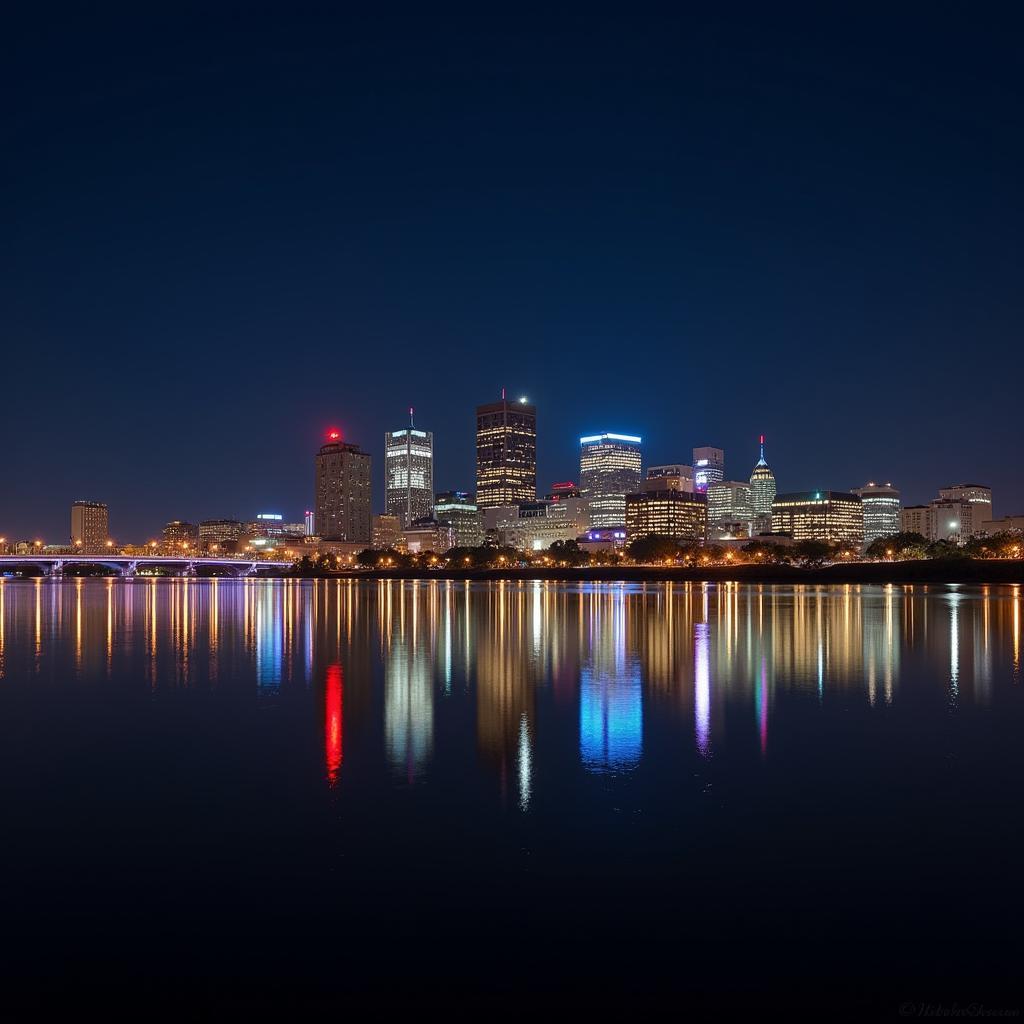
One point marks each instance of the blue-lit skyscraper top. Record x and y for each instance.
(610, 468)
(708, 467)
(762, 486)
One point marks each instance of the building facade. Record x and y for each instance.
(676, 477)
(610, 468)
(90, 526)
(458, 510)
(729, 503)
(536, 525)
(427, 534)
(762, 487)
(881, 510)
(386, 532)
(978, 498)
(834, 516)
(343, 491)
(220, 531)
(666, 513)
(178, 532)
(506, 453)
(708, 467)
(408, 473)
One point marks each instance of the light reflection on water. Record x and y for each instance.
(390, 655)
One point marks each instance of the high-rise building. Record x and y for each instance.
(667, 513)
(819, 515)
(610, 466)
(506, 453)
(409, 473)
(762, 486)
(90, 528)
(458, 510)
(729, 504)
(343, 491)
(978, 497)
(676, 477)
(881, 510)
(708, 467)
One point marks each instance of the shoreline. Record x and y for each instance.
(976, 571)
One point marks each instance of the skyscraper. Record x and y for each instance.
(819, 515)
(881, 510)
(89, 525)
(343, 491)
(708, 467)
(610, 467)
(506, 453)
(458, 510)
(729, 504)
(409, 473)
(762, 486)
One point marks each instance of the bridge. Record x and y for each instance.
(130, 565)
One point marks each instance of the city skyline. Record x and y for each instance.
(201, 293)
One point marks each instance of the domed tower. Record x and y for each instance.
(762, 486)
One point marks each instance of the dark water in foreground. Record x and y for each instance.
(794, 800)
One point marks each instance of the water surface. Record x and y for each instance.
(395, 790)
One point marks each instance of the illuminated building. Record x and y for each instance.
(219, 531)
(408, 473)
(309, 523)
(675, 477)
(506, 453)
(89, 526)
(1011, 524)
(177, 532)
(762, 487)
(881, 510)
(536, 525)
(669, 513)
(458, 510)
(427, 534)
(978, 498)
(819, 515)
(343, 491)
(708, 467)
(916, 519)
(610, 467)
(387, 532)
(729, 507)
(272, 524)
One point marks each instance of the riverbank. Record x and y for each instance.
(957, 570)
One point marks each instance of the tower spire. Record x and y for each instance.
(762, 447)
(411, 424)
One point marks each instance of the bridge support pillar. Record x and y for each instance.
(130, 569)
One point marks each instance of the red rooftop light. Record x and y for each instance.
(334, 434)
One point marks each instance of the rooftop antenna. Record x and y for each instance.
(411, 424)
(503, 394)
(762, 446)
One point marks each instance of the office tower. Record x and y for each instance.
(762, 486)
(458, 510)
(609, 470)
(979, 499)
(708, 467)
(881, 510)
(506, 453)
(819, 515)
(667, 513)
(343, 491)
(730, 510)
(408, 473)
(177, 532)
(89, 526)
(675, 477)
(387, 532)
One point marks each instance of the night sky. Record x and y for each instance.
(224, 232)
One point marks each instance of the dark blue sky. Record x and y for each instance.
(224, 231)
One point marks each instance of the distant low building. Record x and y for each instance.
(536, 525)
(427, 534)
(672, 477)
(1008, 524)
(177, 532)
(220, 532)
(819, 515)
(387, 532)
